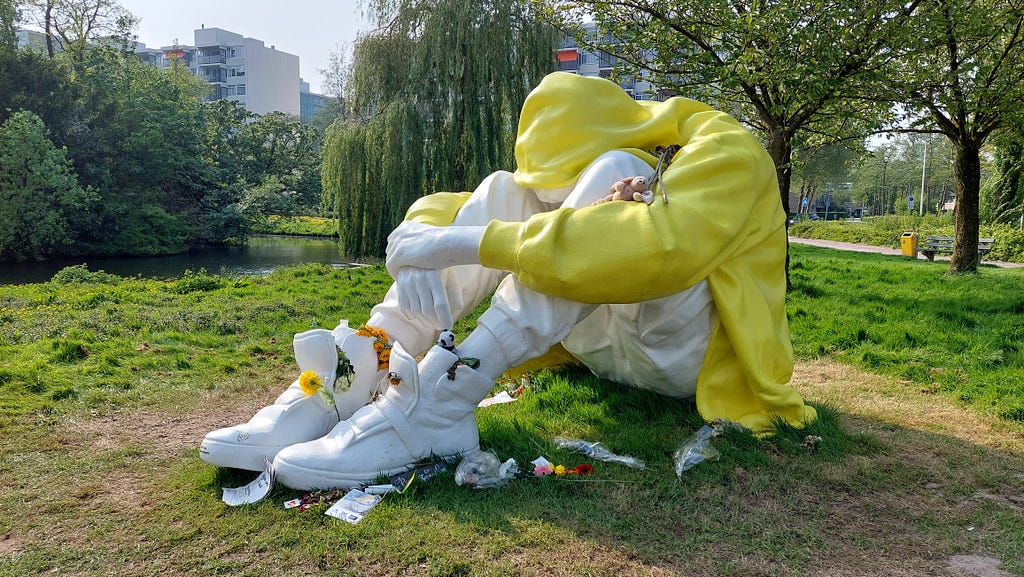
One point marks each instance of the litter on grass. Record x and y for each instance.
(253, 492)
(483, 470)
(597, 451)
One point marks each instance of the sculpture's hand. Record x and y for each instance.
(413, 244)
(422, 292)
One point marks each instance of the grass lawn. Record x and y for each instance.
(107, 386)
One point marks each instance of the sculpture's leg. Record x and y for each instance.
(430, 411)
(498, 197)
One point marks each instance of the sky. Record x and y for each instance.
(309, 29)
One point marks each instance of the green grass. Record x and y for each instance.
(107, 385)
(962, 335)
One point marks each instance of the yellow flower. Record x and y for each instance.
(560, 470)
(310, 382)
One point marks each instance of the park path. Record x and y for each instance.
(880, 250)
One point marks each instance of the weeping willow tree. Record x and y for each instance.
(1006, 198)
(432, 102)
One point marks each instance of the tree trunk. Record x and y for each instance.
(781, 151)
(967, 185)
(48, 29)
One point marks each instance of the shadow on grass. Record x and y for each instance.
(871, 498)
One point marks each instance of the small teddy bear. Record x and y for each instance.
(635, 188)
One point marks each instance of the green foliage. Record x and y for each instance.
(275, 146)
(43, 209)
(297, 225)
(390, 146)
(268, 197)
(892, 171)
(80, 274)
(963, 78)
(795, 71)
(432, 97)
(30, 81)
(191, 282)
(8, 18)
(74, 27)
(168, 169)
(1003, 199)
(887, 230)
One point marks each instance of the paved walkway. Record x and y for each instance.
(881, 250)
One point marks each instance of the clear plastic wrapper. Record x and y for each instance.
(597, 451)
(483, 470)
(696, 449)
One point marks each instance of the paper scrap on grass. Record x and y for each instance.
(253, 492)
(353, 506)
(502, 397)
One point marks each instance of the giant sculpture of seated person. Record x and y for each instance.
(685, 295)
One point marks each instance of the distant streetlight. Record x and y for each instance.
(924, 163)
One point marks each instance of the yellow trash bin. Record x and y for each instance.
(908, 244)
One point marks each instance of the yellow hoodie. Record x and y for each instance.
(723, 222)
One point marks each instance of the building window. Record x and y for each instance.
(240, 90)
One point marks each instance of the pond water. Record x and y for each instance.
(260, 255)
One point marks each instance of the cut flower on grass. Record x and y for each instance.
(543, 467)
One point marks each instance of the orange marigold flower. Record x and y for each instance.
(381, 344)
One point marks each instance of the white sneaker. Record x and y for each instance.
(415, 419)
(296, 416)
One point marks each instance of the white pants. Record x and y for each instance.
(656, 344)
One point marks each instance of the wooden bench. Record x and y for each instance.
(934, 245)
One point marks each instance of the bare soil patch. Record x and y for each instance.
(876, 397)
(163, 432)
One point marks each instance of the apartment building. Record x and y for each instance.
(260, 78)
(571, 57)
(310, 103)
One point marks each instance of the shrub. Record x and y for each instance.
(887, 230)
(192, 282)
(80, 274)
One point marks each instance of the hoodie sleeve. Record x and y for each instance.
(630, 252)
